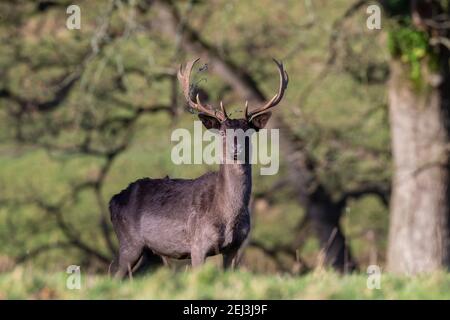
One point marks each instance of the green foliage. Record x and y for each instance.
(412, 47)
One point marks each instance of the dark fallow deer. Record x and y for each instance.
(184, 218)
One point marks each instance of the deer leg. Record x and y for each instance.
(138, 264)
(198, 257)
(205, 241)
(127, 259)
(166, 261)
(229, 259)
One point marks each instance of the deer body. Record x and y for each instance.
(192, 218)
(205, 216)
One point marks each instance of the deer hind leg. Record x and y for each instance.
(140, 262)
(128, 257)
(166, 261)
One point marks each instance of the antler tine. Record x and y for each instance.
(284, 79)
(222, 108)
(184, 78)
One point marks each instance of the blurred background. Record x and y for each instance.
(363, 125)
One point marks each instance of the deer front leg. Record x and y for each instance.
(205, 241)
(197, 257)
(229, 260)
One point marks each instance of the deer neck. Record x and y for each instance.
(233, 188)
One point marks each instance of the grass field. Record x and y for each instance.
(211, 283)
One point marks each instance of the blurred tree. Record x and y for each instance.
(419, 104)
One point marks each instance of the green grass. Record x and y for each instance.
(212, 283)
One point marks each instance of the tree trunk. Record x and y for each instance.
(419, 213)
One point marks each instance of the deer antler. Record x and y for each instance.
(284, 79)
(184, 78)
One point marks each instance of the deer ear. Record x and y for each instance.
(260, 121)
(209, 122)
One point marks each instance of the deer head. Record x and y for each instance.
(217, 118)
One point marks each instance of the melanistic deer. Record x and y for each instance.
(193, 218)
